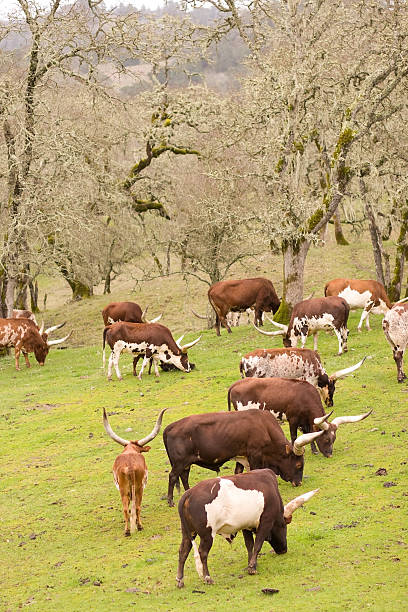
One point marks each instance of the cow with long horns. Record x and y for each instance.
(311, 316)
(295, 401)
(130, 472)
(250, 503)
(126, 311)
(294, 363)
(25, 337)
(253, 438)
(395, 326)
(151, 340)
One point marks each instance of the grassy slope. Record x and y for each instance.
(61, 523)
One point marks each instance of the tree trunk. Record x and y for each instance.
(394, 290)
(338, 230)
(34, 296)
(10, 289)
(107, 287)
(294, 257)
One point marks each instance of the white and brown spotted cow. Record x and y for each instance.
(369, 295)
(395, 326)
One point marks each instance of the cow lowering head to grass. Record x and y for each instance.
(130, 472)
(238, 295)
(294, 363)
(295, 401)
(250, 503)
(151, 340)
(311, 316)
(253, 438)
(125, 311)
(25, 337)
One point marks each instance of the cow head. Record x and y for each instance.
(181, 361)
(136, 445)
(325, 442)
(327, 384)
(292, 469)
(42, 346)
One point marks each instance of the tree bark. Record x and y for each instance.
(11, 285)
(338, 230)
(294, 257)
(394, 291)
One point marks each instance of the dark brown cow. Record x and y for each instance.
(311, 316)
(24, 336)
(395, 326)
(130, 472)
(296, 401)
(367, 294)
(245, 502)
(238, 295)
(24, 314)
(125, 311)
(151, 340)
(253, 438)
(294, 363)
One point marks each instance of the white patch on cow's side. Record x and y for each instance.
(234, 509)
(248, 406)
(396, 324)
(354, 298)
(284, 364)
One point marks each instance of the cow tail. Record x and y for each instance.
(241, 369)
(229, 399)
(103, 346)
(325, 289)
(217, 317)
(133, 509)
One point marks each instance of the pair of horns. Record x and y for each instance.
(301, 441)
(293, 505)
(322, 421)
(144, 320)
(283, 329)
(141, 442)
(51, 329)
(185, 347)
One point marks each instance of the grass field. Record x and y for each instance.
(61, 525)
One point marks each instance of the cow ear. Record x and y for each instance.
(145, 449)
(288, 449)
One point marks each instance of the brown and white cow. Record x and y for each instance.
(395, 326)
(238, 295)
(250, 503)
(311, 316)
(130, 472)
(292, 400)
(294, 363)
(369, 295)
(125, 311)
(253, 438)
(24, 314)
(151, 340)
(24, 336)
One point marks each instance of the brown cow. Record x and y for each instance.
(238, 295)
(245, 502)
(151, 340)
(253, 438)
(24, 314)
(25, 337)
(367, 294)
(125, 311)
(295, 401)
(294, 363)
(130, 472)
(312, 315)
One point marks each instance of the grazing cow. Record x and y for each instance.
(295, 401)
(125, 311)
(367, 294)
(238, 295)
(151, 340)
(253, 438)
(233, 318)
(24, 336)
(166, 367)
(130, 472)
(395, 326)
(294, 363)
(24, 314)
(250, 503)
(311, 316)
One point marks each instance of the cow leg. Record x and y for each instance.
(144, 364)
(293, 431)
(115, 360)
(135, 362)
(17, 357)
(206, 541)
(125, 503)
(224, 323)
(258, 317)
(367, 322)
(315, 336)
(184, 551)
(340, 339)
(138, 499)
(364, 315)
(398, 357)
(249, 542)
(259, 540)
(303, 339)
(184, 478)
(239, 468)
(26, 359)
(173, 480)
(110, 363)
(156, 366)
(217, 325)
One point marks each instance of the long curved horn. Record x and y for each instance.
(189, 345)
(281, 332)
(143, 317)
(155, 430)
(281, 325)
(52, 342)
(179, 340)
(54, 327)
(401, 301)
(304, 439)
(293, 505)
(197, 315)
(110, 431)
(321, 421)
(346, 371)
(41, 330)
(350, 419)
(309, 297)
(156, 319)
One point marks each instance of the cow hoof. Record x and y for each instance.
(171, 503)
(208, 580)
(139, 527)
(127, 533)
(180, 583)
(251, 570)
(315, 452)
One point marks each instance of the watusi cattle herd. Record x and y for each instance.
(278, 384)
